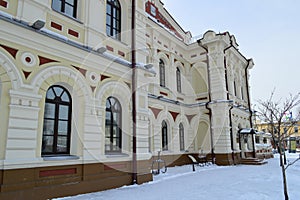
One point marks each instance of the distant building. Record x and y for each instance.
(288, 128)
(66, 88)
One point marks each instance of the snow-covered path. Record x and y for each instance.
(211, 182)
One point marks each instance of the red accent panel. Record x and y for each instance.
(26, 74)
(174, 115)
(121, 53)
(190, 117)
(44, 60)
(82, 71)
(3, 3)
(179, 98)
(202, 98)
(57, 172)
(155, 111)
(163, 93)
(10, 50)
(109, 48)
(74, 33)
(28, 59)
(93, 88)
(102, 77)
(56, 26)
(114, 166)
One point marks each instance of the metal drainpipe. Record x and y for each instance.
(249, 106)
(231, 135)
(230, 118)
(213, 157)
(133, 95)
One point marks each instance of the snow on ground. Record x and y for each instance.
(242, 182)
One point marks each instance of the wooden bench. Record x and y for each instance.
(194, 161)
(203, 160)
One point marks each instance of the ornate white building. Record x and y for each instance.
(66, 95)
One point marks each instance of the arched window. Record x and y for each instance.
(57, 121)
(68, 7)
(113, 131)
(178, 80)
(164, 135)
(113, 19)
(181, 137)
(162, 77)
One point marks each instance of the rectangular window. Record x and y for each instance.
(68, 7)
(257, 139)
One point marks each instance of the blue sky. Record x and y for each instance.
(266, 30)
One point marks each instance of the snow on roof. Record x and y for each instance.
(247, 131)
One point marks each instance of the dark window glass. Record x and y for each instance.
(162, 73)
(113, 131)
(57, 121)
(164, 135)
(178, 80)
(234, 85)
(113, 19)
(68, 7)
(181, 137)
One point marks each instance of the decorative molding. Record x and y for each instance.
(28, 59)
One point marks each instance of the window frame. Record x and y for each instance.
(113, 28)
(162, 73)
(164, 135)
(62, 8)
(181, 137)
(112, 125)
(178, 80)
(57, 103)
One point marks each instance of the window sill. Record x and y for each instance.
(114, 155)
(68, 16)
(58, 157)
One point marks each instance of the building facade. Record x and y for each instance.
(288, 129)
(66, 95)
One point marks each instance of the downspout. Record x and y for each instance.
(133, 95)
(249, 106)
(213, 157)
(230, 116)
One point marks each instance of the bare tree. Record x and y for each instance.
(274, 114)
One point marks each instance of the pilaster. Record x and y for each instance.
(220, 127)
(216, 44)
(94, 133)
(22, 143)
